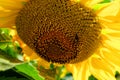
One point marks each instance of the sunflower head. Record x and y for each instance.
(60, 31)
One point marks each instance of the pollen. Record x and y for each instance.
(59, 31)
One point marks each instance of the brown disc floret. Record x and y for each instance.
(60, 31)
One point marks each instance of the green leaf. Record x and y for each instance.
(51, 66)
(106, 1)
(63, 74)
(10, 73)
(34, 63)
(5, 39)
(29, 70)
(56, 73)
(68, 77)
(117, 75)
(92, 78)
(47, 73)
(10, 53)
(13, 52)
(99, 6)
(5, 30)
(7, 47)
(12, 78)
(6, 64)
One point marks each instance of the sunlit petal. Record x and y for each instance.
(10, 4)
(83, 72)
(91, 3)
(105, 71)
(111, 56)
(111, 10)
(8, 11)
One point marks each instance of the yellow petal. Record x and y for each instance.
(8, 11)
(84, 2)
(110, 25)
(83, 72)
(111, 10)
(80, 70)
(12, 4)
(88, 3)
(77, 1)
(102, 75)
(113, 43)
(72, 68)
(7, 21)
(110, 54)
(91, 3)
(111, 33)
(115, 34)
(101, 69)
(111, 19)
(108, 60)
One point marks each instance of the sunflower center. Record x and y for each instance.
(60, 31)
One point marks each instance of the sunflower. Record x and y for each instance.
(103, 62)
